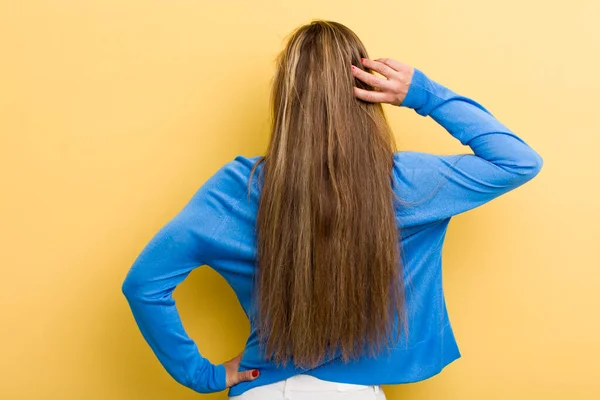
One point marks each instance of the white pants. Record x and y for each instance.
(308, 387)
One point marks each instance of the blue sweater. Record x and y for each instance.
(216, 228)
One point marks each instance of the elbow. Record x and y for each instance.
(528, 168)
(130, 287)
(535, 166)
(127, 288)
(137, 287)
(135, 283)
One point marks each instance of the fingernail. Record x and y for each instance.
(353, 67)
(362, 60)
(255, 373)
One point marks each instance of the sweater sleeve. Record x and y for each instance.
(182, 244)
(447, 185)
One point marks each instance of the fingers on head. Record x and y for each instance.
(381, 67)
(395, 65)
(369, 79)
(370, 96)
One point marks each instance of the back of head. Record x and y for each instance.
(329, 276)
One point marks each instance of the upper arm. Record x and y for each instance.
(433, 186)
(185, 242)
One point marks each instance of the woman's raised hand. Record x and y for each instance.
(392, 88)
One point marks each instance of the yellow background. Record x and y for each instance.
(113, 113)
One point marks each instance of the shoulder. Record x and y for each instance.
(418, 174)
(244, 164)
(235, 170)
(416, 160)
(415, 173)
(231, 179)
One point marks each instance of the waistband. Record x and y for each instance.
(308, 383)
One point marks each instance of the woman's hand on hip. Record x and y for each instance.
(392, 88)
(234, 376)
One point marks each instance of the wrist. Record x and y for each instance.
(220, 380)
(212, 378)
(417, 95)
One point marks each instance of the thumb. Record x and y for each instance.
(248, 375)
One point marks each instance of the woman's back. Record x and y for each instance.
(217, 228)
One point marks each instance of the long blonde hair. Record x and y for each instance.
(329, 271)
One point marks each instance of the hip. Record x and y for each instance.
(305, 387)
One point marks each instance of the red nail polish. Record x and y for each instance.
(255, 373)
(362, 60)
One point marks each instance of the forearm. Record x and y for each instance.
(160, 325)
(473, 125)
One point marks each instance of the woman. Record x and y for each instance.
(334, 251)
